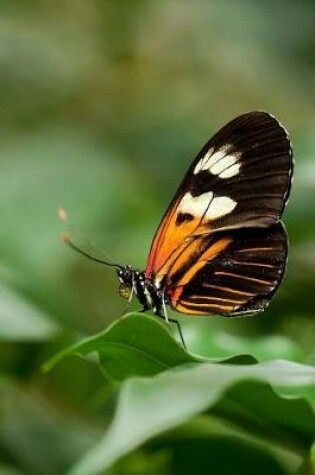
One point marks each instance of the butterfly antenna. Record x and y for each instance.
(66, 239)
(62, 214)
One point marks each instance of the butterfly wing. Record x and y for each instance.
(240, 179)
(237, 276)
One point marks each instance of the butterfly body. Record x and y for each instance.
(134, 282)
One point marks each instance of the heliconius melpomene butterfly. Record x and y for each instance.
(221, 247)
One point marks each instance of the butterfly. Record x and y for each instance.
(221, 247)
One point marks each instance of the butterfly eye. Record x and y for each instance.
(125, 290)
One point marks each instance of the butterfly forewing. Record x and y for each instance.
(241, 277)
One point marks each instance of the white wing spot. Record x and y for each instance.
(219, 163)
(233, 170)
(220, 206)
(216, 159)
(223, 164)
(202, 163)
(206, 205)
(195, 205)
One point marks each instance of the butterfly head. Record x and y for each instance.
(125, 276)
(134, 282)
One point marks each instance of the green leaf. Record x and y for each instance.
(255, 407)
(140, 346)
(21, 320)
(208, 441)
(135, 345)
(148, 407)
(219, 342)
(224, 454)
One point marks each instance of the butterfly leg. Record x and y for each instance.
(130, 296)
(172, 320)
(164, 309)
(176, 322)
(179, 329)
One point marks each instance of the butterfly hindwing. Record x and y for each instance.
(240, 179)
(239, 277)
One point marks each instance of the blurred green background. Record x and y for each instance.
(103, 106)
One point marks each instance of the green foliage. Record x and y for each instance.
(103, 107)
(179, 386)
(135, 345)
